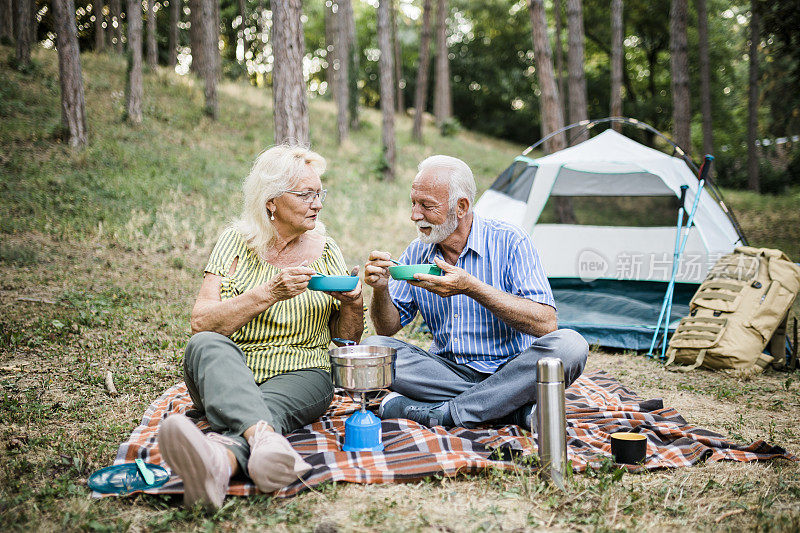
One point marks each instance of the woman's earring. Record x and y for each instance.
(272, 216)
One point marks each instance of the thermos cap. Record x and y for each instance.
(549, 370)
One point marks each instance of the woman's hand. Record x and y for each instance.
(350, 297)
(288, 283)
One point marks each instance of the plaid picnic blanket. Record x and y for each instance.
(597, 405)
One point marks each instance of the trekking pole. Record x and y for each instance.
(667, 303)
(678, 230)
(671, 288)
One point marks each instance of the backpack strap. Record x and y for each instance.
(669, 364)
(777, 344)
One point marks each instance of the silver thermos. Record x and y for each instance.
(551, 418)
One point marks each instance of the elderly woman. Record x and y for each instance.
(257, 364)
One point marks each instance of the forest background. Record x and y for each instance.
(492, 70)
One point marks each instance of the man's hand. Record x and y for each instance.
(376, 269)
(455, 280)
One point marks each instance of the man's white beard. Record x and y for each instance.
(439, 232)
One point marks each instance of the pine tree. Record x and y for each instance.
(133, 88)
(421, 93)
(288, 86)
(387, 88)
(73, 105)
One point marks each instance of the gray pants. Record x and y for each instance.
(474, 397)
(222, 386)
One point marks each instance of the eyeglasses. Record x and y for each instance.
(309, 196)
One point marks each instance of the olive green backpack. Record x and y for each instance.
(742, 305)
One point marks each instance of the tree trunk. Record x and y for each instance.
(134, 86)
(616, 62)
(549, 101)
(73, 106)
(6, 22)
(753, 179)
(109, 26)
(196, 36)
(442, 104)
(339, 62)
(679, 64)
(210, 36)
(421, 93)
(99, 32)
(152, 51)
(34, 22)
(288, 86)
(116, 22)
(578, 108)
(174, 35)
(387, 87)
(352, 70)
(398, 62)
(560, 55)
(23, 33)
(705, 77)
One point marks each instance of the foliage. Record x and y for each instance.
(781, 42)
(494, 86)
(449, 127)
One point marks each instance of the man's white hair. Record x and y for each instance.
(457, 173)
(275, 170)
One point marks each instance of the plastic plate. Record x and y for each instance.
(333, 283)
(407, 272)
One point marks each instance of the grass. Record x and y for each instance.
(101, 253)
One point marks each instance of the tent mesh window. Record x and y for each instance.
(624, 211)
(616, 198)
(516, 181)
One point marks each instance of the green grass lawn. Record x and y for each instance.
(102, 252)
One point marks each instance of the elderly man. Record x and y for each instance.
(491, 313)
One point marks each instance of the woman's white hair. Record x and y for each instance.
(457, 174)
(276, 169)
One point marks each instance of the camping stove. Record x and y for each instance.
(358, 370)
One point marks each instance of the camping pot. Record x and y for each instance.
(360, 368)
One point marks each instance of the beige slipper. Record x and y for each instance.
(273, 462)
(200, 462)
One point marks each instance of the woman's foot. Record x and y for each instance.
(202, 463)
(273, 463)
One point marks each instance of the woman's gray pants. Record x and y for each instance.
(474, 397)
(222, 386)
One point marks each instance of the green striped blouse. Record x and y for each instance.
(292, 334)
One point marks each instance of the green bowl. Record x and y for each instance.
(407, 272)
(332, 283)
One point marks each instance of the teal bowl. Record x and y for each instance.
(407, 272)
(333, 283)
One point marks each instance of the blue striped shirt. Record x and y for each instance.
(464, 331)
